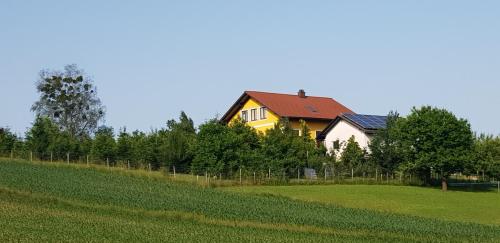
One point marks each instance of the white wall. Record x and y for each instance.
(343, 131)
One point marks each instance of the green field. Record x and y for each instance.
(41, 202)
(477, 207)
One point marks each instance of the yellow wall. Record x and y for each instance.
(312, 125)
(259, 125)
(272, 118)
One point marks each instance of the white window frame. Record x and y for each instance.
(244, 115)
(253, 114)
(263, 113)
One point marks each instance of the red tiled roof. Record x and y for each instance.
(292, 106)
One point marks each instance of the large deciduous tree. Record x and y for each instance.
(69, 99)
(438, 141)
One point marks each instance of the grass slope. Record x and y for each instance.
(67, 203)
(478, 207)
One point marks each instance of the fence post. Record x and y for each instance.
(50, 157)
(87, 160)
(298, 174)
(149, 167)
(128, 164)
(174, 170)
(107, 162)
(254, 177)
(240, 175)
(325, 173)
(333, 173)
(67, 158)
(11, 153)
(376, 174)
(352, 174)
(387, 177)
(31, 156)
(269, 174)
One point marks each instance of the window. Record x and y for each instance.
(244, 116)
(336, 144)
(263, 113)
(318, 133)
(296, 132)
(253, 114)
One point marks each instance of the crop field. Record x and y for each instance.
(477, 207)
(48, 202)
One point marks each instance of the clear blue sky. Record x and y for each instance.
(152, 59)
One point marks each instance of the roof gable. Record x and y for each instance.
(291, 106)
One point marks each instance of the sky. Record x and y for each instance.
(152, 59)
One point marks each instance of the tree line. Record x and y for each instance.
(426, 142)
(429, 143)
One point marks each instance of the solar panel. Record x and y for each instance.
(367, 121)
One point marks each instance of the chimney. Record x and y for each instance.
(301, 93)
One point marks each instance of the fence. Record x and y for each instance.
(327, 174)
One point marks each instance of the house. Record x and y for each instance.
(261, 110)
(362, 127)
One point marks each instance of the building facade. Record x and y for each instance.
(362, 127)
(262, 110)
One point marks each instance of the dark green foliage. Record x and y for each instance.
(353, 156)
(104, 145)
(284, 151)
(214, 148)
(7, 141)
(487, 156)
(124, 146)
(42, 137)
(177, 141)
(436, 140)
(69, 99)
(385, 147)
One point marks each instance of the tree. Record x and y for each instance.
(42, 137)
(487, 156)
(124, 146)
(352, 156)
(284, 151)
(385, 148)
(177, 141)
(69, 99)
(7, 141)
(104, 145)
(225, 149)
(139, 148)
(437, 141)
(246, 141)
(212, 148)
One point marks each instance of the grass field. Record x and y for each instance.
(40, 202)
(477, 207)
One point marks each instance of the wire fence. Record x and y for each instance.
(327, 174)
